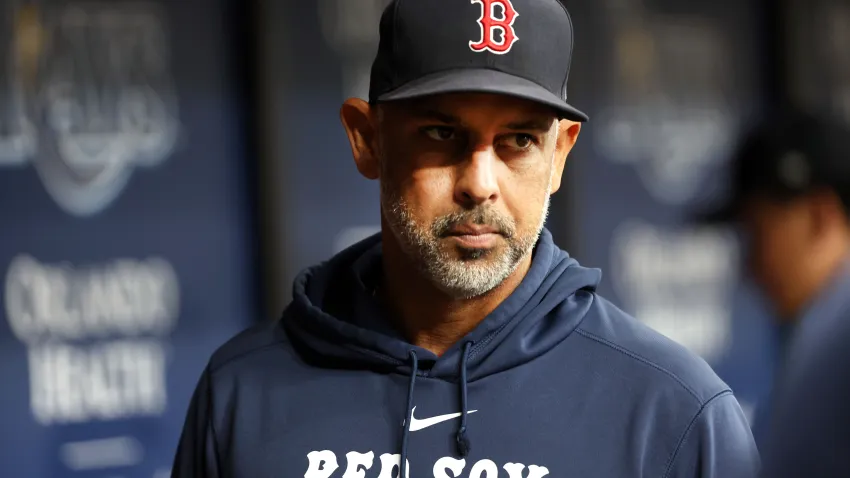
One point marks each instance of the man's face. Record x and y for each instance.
(780, 242)
(465, 184)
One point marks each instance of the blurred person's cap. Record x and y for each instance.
(787, 156)
(520, 48)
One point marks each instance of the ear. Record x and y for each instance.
(567, 136)
(361, 126)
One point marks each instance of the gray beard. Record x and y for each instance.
(476, 272)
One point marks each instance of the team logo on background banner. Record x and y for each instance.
(670, 114)
(90, 99)
(673, 149)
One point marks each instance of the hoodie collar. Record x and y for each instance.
(523, 327)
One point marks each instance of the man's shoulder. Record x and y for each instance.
(644, 352)
(259, 342)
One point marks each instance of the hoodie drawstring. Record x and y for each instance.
(414, 370)
(463, 443)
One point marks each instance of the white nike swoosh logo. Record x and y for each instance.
(416, 425)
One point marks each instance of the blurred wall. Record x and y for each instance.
(315, 55)
(668, 86)
(816, 42)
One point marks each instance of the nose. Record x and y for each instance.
(476, 181)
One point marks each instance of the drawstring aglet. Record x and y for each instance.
(463, 444)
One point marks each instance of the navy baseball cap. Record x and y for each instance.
(789, 155)
(520, 48)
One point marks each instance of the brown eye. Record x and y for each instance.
(520, 141)
(439, 133)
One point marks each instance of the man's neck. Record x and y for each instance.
(427, 316)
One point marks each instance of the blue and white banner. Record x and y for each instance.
(124, 252)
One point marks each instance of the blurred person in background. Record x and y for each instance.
(460, 340)
(791, 199)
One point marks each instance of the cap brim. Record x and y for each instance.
(470, 80)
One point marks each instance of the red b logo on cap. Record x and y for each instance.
(489, 23)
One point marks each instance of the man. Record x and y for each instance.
(461, 341)
(792, 201)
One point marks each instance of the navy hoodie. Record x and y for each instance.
(555, 382)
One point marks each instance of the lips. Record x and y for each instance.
(472, 230)
(473, 236)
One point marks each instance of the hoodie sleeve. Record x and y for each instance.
(718, 443)
(197, 454)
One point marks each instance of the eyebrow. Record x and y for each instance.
(437, 116)
(537, 124)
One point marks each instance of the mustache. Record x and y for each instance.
(478, 216)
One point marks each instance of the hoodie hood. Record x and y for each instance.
(333, 318)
